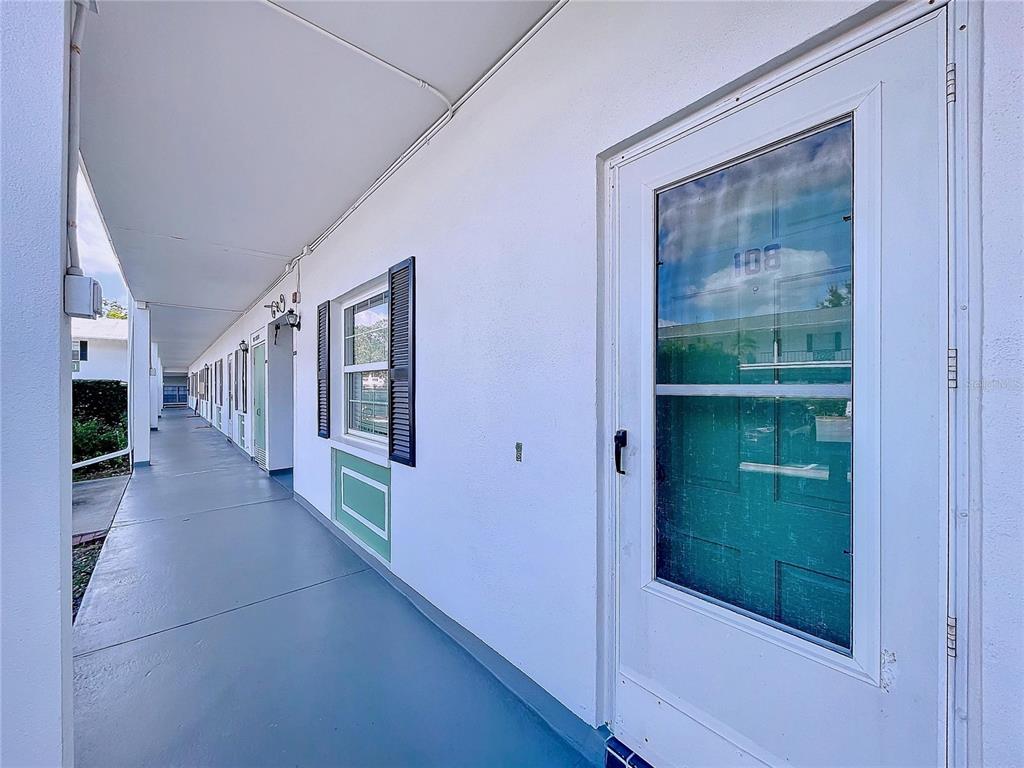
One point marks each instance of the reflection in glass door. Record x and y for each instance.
(754, 385)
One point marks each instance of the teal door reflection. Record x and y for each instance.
(755, 287)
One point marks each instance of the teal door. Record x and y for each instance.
(259, 403)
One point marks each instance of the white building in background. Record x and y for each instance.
(99, 349)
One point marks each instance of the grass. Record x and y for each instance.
(83, 560)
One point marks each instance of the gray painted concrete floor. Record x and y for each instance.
(93, 504)
(223, 626)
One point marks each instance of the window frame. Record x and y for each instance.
(78, 346)
(379, 287)
(244, 368)
(218, 375)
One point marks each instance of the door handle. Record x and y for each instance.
(619, 441)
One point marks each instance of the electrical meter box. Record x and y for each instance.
(83, 297)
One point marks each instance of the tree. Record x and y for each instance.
(114, 309)
(838, 296)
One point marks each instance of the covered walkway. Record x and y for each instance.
(225, 626)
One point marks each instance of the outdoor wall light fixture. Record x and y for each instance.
(293, 319)
(242, 345)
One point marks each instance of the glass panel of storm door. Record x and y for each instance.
(753, 507)
(755, 281)
(755, 286)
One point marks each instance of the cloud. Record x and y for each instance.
(796, 198)
(784, 189)
(800, 283)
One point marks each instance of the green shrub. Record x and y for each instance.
(99, 426)
(93, 437)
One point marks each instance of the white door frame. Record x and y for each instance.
(964, 252)
(255, 339)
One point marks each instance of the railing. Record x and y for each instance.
(817, 358)
(98, 459)
(807, 356)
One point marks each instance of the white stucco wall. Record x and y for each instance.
(35, 391)
(108, 359)
(998, 594)
(501, 212)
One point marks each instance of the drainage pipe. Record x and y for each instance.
(74, 133)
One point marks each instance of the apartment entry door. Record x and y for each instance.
(259, 403)
(781, 346)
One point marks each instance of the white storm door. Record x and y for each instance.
(781, 346)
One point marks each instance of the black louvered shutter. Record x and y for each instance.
(83, 350)
(323, 370)
(402, 362)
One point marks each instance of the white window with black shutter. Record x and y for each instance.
(401, 363)
(323, 370)
(371, 360)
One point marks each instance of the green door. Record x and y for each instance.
(259, 403)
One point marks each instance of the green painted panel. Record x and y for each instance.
(365, 500)
(366, 468)
(368, 501)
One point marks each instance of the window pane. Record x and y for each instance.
(755, 281)
(368, 401)
(755, 286)
(371, 347)
(366, 331)
(753, 506)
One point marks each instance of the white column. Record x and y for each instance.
(35, 391)
(140, 385)
(156, 388)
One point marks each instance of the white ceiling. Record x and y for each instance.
(220, 137)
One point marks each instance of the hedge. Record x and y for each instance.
(103, 400)
(99, 413)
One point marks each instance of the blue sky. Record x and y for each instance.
(795, 197)
(94, 248)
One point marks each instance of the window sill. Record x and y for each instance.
(376, 453)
